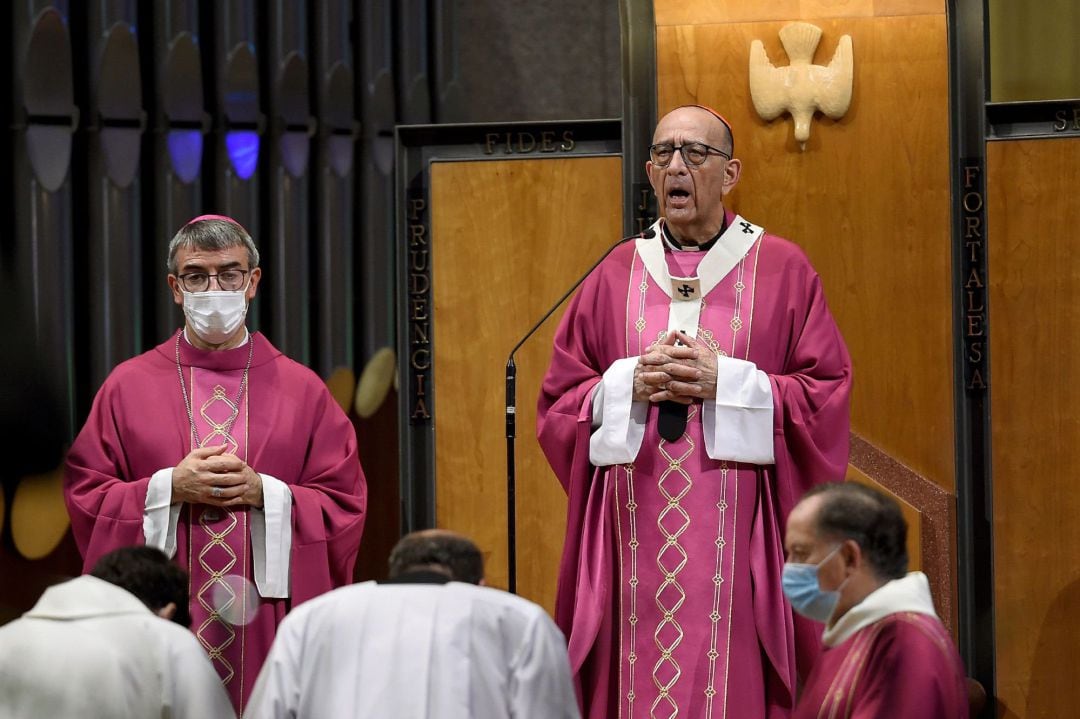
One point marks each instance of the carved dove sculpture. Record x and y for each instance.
(801, 88)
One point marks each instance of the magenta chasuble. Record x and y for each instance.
(904, 666)
(286, 425)
(669, 587)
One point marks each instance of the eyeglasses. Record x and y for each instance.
(229, 280)
(693, 153)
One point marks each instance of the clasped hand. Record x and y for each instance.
(209, 475)
(680, 372)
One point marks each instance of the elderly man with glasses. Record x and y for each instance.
(698, 387)
(225, 454)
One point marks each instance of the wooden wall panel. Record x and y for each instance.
(508, 238)
(868, 199)
(1035, 388)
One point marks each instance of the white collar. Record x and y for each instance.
(85, 596)
(908, 594)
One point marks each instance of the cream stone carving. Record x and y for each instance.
(801, 88)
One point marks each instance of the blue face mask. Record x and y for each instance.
(801, 587)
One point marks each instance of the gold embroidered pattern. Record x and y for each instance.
(216, 595)
(643, 290)
(709, 339)
(219, 429)
(672, 522)
(753, 291)
(718, 580)
(217, 583)
(848, 674)
(736, 323)
(631, 658)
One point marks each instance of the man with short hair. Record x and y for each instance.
(886, 652)
(445, 553)
(698, 386)
(426, 643)
(147, 573)
(92, 648)
(224, 453)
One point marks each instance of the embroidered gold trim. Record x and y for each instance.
(631, 657)
(753, 295)
(848, 674)
(673, 484)
(718, 581)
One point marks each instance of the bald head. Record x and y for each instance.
(714, 127)
(438, 550)
(690, 188)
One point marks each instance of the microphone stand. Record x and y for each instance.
(511, 417)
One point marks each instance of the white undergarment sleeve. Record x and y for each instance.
(160, 513)
(738, 424)
(271, 539)
(618, 437)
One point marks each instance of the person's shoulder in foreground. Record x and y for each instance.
(429, 642)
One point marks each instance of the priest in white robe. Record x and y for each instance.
(427, 643)
(95, 650)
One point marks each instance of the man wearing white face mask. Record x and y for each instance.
(886, 652)
(225, 454)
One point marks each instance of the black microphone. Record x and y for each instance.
(511, 414)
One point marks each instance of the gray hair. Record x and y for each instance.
(210, 235)
(872, 519)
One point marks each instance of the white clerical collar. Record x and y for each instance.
(907, 594)
(675, 246)
(247, 336)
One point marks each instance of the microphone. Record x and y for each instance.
(511, 413)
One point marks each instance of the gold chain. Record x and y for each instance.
(187, 400)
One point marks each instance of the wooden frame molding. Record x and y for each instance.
(937, 511)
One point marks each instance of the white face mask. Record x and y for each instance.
(215, 314)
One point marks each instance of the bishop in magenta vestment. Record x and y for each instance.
(248, 566)
(669, 587)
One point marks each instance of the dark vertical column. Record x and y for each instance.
(974, 488)
(413, 64)
(377, 97)
(374, 304)
(286, 239)
(413, 108)
(447, 90)
(180, 122)
(115, 123)
(41, 249)
(639, 111)
(238, 122)
(334, 225)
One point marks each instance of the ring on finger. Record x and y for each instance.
(217, 491)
